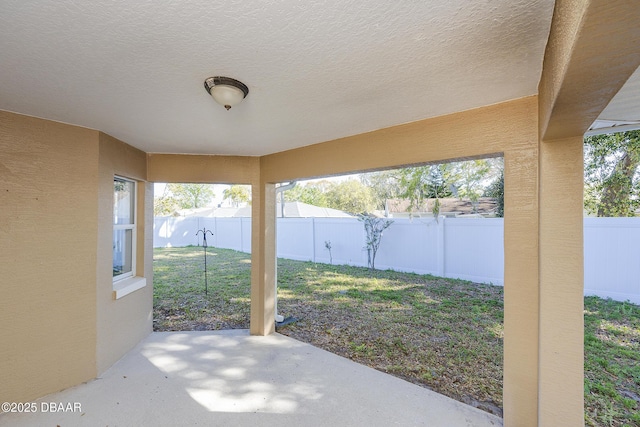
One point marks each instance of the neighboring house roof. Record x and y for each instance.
(291, 210)
(209, 211)
(244, 211)
(305, 210)
(226, 212)
(448, 206)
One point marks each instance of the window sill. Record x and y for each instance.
(124, 287)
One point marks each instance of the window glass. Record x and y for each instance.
(124, 244)
(123, 204)
(122, 251)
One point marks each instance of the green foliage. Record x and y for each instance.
(310, 194)
(416, 184)
(384, 185)
(350, 196)
(237, 194)
(164, 205)
(436, 209)
(496, 190)
(465, 179)
(612, 181)
(190, 196)
(183, 196)
(425, 182)
(469, 177)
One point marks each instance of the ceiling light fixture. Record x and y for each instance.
(226, 91)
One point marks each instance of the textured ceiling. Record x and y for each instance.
(316, 70)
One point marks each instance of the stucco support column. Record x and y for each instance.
(521, 309)
(561, 348)
(263, 258)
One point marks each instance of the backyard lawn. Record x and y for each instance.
(442, 334)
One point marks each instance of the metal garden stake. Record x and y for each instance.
(204, 232)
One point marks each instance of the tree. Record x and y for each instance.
(190, 196)
(237, 194)
(309, 193)
(374, 227)
(469, 177)
(323, 185)
(384, 185)
(164, 205)
(350, 196)
(496, 190)
(465, 179)
(612, 181)
(425, 182)
(182, 196)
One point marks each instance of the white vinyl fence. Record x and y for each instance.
(612, 258)
(228, 233)
(464, 248)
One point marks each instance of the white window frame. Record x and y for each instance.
(132, 226)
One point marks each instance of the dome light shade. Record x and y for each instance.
(226, 91)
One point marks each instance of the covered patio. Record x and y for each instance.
(97, 97)
(232, 378)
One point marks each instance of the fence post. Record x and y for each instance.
(216, 243)
(198, 228)
(440, 246)
(313, 237)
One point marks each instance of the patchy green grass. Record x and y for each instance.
(179, 300)
(612, 363)
(439, 333)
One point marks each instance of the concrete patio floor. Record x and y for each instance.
(231, 378)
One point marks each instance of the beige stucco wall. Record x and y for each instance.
(263, 258)
(122, 323)
(203, 169)
(59, 323)
(48, 240)
(474, 133)
(561, 351)
(593, 48)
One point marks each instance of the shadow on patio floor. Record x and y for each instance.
(231, 378)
